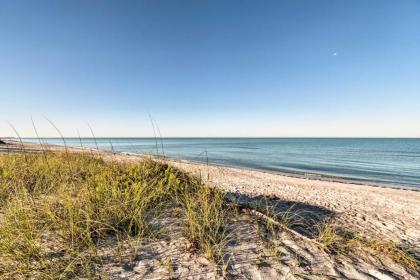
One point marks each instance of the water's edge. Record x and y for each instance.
(300, 175)
(254, 154)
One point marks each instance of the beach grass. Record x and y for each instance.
(335, 240)
(206, 219)
(343, 241)
(57, 207)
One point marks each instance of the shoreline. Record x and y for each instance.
(302, 175)
(287, 173)
(393, 213)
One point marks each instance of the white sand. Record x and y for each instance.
(389, 212)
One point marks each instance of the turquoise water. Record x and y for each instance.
(381, 161)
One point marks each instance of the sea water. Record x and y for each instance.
(383, 161)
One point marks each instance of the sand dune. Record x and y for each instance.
(253, 253)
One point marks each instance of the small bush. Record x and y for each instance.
(205, 221)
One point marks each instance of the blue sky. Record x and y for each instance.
(211, 68)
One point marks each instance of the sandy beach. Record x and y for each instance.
(388, 213)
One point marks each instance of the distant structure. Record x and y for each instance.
(2, 142)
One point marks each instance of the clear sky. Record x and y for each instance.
(211, 68)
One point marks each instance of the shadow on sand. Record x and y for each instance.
(300, 217)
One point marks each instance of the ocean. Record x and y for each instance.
(382, 161)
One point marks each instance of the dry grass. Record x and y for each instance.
(271, 226)
(334, 240)
(56, 207)
(340, 241)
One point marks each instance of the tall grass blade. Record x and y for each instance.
(80, 139)
(161, 139)
(39, 140)
(59, 132)
(94, 137)
(20, 140)
(154, 133)
(112, 147)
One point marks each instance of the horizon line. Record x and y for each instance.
(215, 137)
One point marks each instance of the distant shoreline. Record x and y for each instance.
(9, 138)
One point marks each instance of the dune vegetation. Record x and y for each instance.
(57, 209)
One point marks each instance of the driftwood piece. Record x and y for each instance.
(251, 209)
